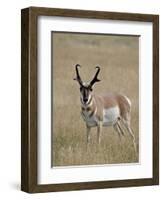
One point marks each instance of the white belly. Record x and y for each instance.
(110, 116)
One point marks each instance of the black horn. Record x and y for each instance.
(95, 79)
(77, 75)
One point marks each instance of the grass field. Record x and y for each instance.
(118, 57)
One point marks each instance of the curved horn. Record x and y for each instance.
(77, 75)
(95, 79)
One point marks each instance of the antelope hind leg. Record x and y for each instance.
(116, 128)
(120, 127)
(131, 133)
(133, 138)
(99, 130)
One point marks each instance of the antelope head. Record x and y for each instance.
(86, 88)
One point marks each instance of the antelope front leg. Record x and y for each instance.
(99, 130)
(88, 133)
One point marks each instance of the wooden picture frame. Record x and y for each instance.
(29, 135)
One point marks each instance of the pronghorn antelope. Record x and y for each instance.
(103, 110)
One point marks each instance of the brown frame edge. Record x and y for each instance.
(29, 99)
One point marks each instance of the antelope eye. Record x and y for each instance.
(90, 88)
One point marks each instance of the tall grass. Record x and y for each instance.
(118, 58)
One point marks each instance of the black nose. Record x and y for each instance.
(85, 100)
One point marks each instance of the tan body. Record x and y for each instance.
(107, 110)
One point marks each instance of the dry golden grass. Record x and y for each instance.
(118, 58)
